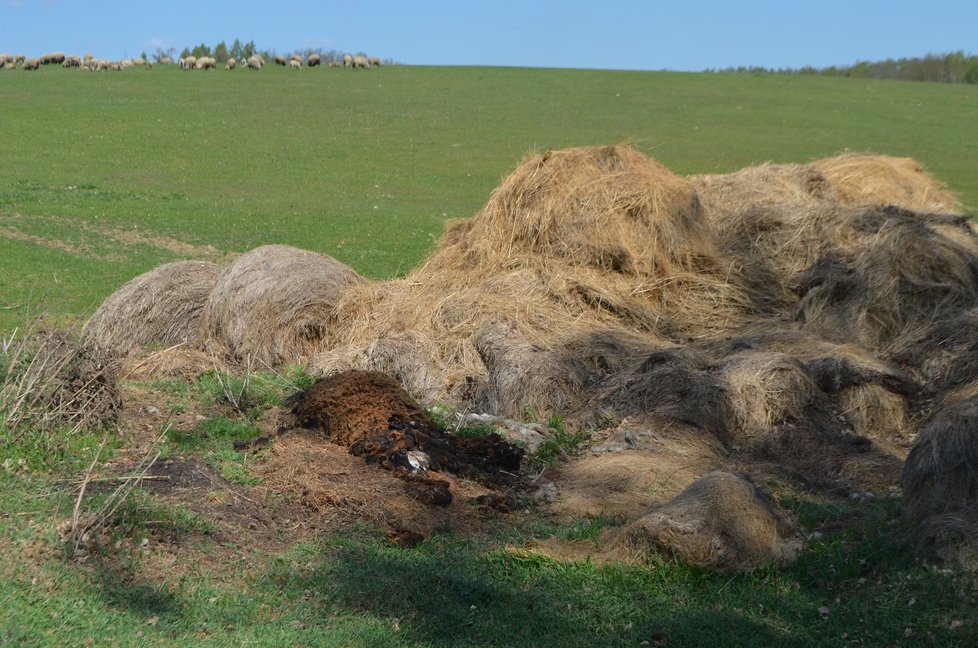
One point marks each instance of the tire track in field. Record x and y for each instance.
(16, 231)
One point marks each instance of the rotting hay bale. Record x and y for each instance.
(765, 388)
(675, 385)
(607, 230)
(523, 379)
(409, 357)
(944, 355)
(162, 306)
(906, 276)
(877, 413)
(940, 478)
(772, 244)
(273, 304)
(611, 208)
(863, 179)
(721, 520)
(940, 475)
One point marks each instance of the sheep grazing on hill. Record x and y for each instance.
(6, 58)
(254, 62)
(334, 64)
(360, 62)
(31, 63)
(206, 63)
(166, 60)
(126, 63)
(295, 65)
(314, 60)
(52, 58)
(279, 60)
(296, 57)
(374, 61)
(347, 60)
(231, 64)
(139, 61)
(72, 61)
(189, 63)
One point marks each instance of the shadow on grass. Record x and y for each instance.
(451, 594)
(121, 587)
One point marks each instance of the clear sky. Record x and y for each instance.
(617, 34)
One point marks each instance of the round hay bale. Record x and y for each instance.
(274, 303)
(524, 379)
(162, 306)
(865, 179)
(764, 389)
(721, 520)
(411, 359)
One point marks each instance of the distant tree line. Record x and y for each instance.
(241, 51)
(956, 67)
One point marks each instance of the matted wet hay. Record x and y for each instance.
(159, 307)
(273, 303)
(940, 477)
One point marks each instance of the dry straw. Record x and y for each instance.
(571, 242)
(868, 179)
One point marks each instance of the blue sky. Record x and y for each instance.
(617, 34)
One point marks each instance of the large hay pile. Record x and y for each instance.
(801, 319)
(572, 241)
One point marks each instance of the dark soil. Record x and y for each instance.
(371, 414)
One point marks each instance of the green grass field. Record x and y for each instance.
(104, 176)
(366, 166)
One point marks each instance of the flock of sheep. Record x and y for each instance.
(255, 62)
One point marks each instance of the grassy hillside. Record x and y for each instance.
(103, 176)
